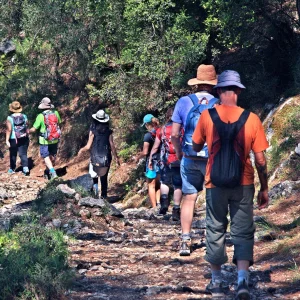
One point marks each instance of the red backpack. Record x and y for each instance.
(168, 154)
(53, 131)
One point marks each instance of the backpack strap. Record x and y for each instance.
(242, 120)
(219, 123)
(194, 99)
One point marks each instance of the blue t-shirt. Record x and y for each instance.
(10, 119)
(184, 105)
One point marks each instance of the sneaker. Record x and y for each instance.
(185, 248)
(11, 171)
(216, 288)
(243, 291)
(53, 175)
(176, 214)
(26, 171)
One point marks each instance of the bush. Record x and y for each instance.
(128, 151)
(34, 265)
(48, 197)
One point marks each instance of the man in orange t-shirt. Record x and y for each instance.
(238, 199)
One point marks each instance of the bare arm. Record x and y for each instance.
(113, 149)
(89, 143)
(153, 151)
(145, 151)
(8, 132)
(32, 130)
(175, 139)
(261, 167)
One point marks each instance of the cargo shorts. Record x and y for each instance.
(239, 203)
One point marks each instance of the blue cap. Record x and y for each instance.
(147, 119)
(151, 174)
(228, 78)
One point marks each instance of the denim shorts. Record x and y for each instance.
(192, 174)
(47, 150)
(171, 176)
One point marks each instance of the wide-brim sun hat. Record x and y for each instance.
(45, 104)
(101, 116)
(147, 119)
(206, 74)
(15, 107)
(229, 78)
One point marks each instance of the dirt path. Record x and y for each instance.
(139, 259)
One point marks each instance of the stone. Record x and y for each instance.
(7, 46)
(56, 223)
(65, 189)
(92, 202)
(84, 181)
(85, 213)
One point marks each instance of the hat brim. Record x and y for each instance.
(43, 106)
(16, 110)
(195, 81)
(229, 83)
(106, 119)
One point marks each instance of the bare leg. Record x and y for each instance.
(157, 188)
(48, 162)
(187, 212)
(152, 192)
(177, 196)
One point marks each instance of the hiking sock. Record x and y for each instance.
(216, 276)
(186, 236)
(243, 275)
(51, 170)
(176, 206)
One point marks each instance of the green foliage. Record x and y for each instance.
(286, 128)
(33, 263)
(47, 198)
(127, 151)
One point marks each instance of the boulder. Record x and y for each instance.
(7, 46)
(84, 181)
(65, 189)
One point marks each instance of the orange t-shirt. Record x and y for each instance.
(251, 136)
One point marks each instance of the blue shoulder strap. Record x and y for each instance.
(194, 99)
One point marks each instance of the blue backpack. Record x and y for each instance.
(191, 122)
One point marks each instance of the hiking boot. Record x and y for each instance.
(26, 171)
(11, 171)
(176, 214)
(185, 248)
(243, 291)
(217, 289)
(53, 175)
(164, 204)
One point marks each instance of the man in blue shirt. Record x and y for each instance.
(192, 167)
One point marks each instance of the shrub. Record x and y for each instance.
(33, 260)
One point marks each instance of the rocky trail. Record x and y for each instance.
(136, 256)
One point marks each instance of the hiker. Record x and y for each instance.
(170, 169)
(231, 133)
(17, 137)
(47, 124)
(102, 148)
(153, 176)
(186, 114)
